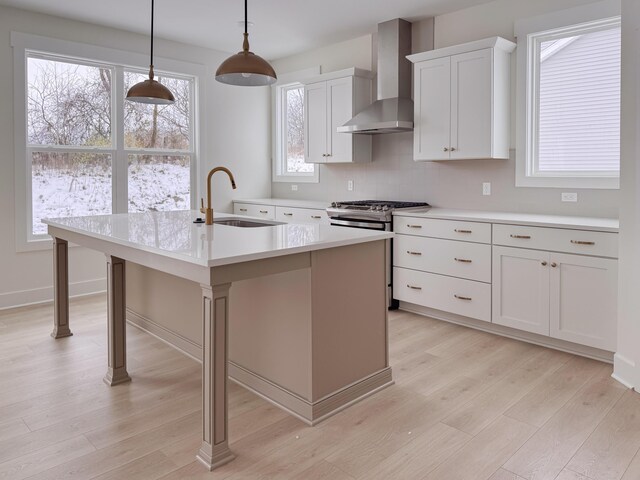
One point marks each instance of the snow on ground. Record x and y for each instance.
(87, 190)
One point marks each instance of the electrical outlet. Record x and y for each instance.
(294, 188)
(350, 185)
(486, 188)
(569, 197)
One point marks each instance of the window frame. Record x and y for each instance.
(26, 45)
(530, 33)
(286, 82)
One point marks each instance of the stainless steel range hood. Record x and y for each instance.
(393, 111)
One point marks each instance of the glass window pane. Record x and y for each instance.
(69, 185)
(158, 126)
(295, 132)
(68, 104)
(159, 182)
(579, 103)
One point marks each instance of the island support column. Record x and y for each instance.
(116, 334)
(214, 451)
(60, 289)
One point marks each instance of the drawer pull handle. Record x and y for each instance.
(264, 211)
(522, 237)
(412, 287)
(286, 214)
(413, 253)
(317, 217)
(413, 226)
(544, 264)
(457, 230)
(581, 242)
(243, 209)
(554, 264)
(462, 260)
(460, 297)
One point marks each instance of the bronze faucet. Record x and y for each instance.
(209, 211)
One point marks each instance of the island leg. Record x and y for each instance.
(60, 289)
(116, 307)
(215, 439)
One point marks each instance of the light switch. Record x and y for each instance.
(350, 185)
(486, 188)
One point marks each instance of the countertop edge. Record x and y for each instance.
(526, 219)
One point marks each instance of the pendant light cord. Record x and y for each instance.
(152, 3)
(246, 29)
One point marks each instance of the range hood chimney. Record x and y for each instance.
(392, 112)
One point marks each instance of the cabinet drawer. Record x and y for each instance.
(582, 242)
(254, 210)
(463, 297)
(301, 215)
(447, 257)
(447, 229)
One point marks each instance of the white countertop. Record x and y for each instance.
(286, 202)
(174, 235)
(553, 221)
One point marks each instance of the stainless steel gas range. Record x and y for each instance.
(374, 215)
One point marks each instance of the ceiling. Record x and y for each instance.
(282, 27)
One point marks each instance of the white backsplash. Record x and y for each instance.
(393, 175)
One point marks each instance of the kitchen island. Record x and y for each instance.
(340, 350)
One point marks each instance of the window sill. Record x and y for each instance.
(315, 178)
(601, 183)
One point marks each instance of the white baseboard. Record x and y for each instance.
(309, 412)
(22, 298)
(625, 371)
(584, 351)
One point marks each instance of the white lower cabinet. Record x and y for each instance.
(555, 282)
(569, 297)
(583, 300)
(521, 289)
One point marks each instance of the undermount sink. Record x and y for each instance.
(236, 222)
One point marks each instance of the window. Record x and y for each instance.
(571, 112)
(88, 151)
(289, 164)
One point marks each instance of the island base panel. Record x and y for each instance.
(116, 322)
(60, 289)
(214, 450)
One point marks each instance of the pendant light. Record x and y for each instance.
(150, 90)
(245, 68)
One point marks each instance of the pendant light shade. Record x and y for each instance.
(245, 68)
(150, 90)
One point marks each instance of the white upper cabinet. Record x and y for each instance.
(330, 101)
(461, 101)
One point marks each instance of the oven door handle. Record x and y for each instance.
(351, 223)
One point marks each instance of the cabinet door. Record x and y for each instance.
(521, 289)
(432, 109)
(584, 300)
(471, 99)
(339, 112)
(315, 122)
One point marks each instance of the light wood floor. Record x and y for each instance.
(466, 405)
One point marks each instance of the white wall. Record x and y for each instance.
(627, 359)
(236, 135)
(393, 175)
